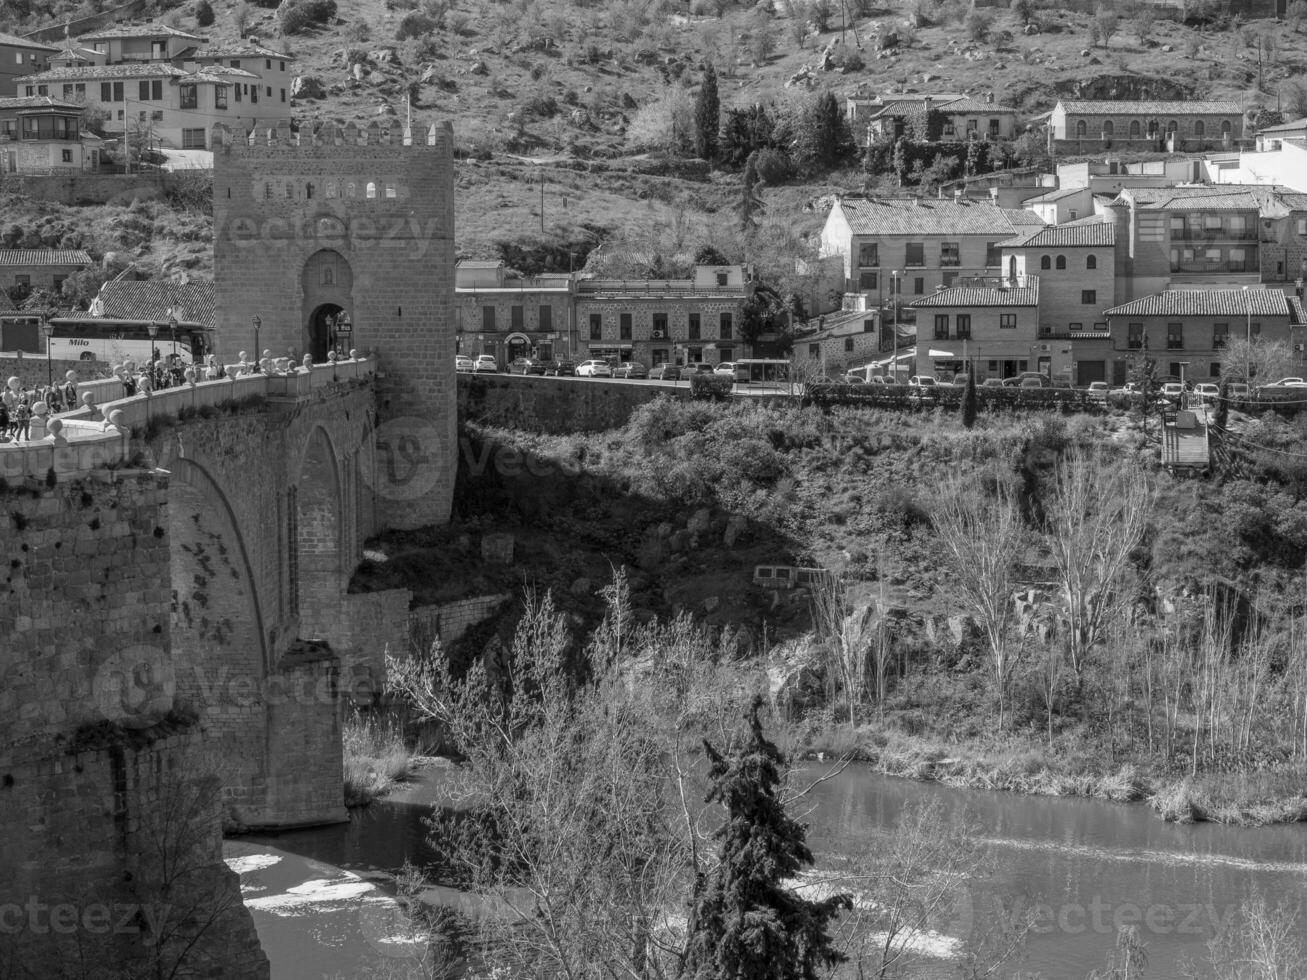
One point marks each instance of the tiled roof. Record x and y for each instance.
(129, 31)
(151, 299)
(1056, 195)
(838, 324)
(900, 104)
(931, 216)
(1097, 234)
(1296, 314)
(43, 256)
(223, 71)
(14, 41)
(479, 263)
(968, 104)
(1124, 108)
(1027, 295)
(133, 69)
(1021, 218)
(1297, 125)
(1207, 302)
(1219, 197)
(243, 49)
(37, 102)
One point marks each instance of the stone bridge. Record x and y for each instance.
(176, 617)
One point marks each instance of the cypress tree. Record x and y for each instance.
(1222, 405)
(706, 116)
(751, 202)
(745, 924)
(969, 402)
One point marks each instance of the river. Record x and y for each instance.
(1083, 866)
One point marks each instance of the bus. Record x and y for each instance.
(98, 338)
(762, 371)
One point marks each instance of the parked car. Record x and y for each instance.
(854, 378)
(1033, 381)
(1286, 383)
(594, 368)
(922, 382)
(992, 383)
(1172, 391)
(526, 365)
(880, 379)
(486, 362)
(1207, 393)
(1097, 391)
(701, 367)
(1238, 391)
(630, 369)
(665, 372)
(726, 369)
(560, 369)
(463, 363)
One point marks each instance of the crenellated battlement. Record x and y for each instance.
(439, 135)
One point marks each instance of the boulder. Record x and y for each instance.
(384, 56)
(307, 87)
(735, 529)
(479, 68)
(700, 521)
(711, 603)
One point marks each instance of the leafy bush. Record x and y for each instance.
(773, 166)
(978, 23)
(711, 386)
(300, 15)
(414, 24)
(203, 13)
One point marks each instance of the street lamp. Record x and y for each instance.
(172, 328)
(1248, 340)
(153, 327)
(895, 288)
(47, 328)
(257, 322)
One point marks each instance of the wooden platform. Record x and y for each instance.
(1184, 440)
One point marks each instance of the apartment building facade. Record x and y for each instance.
(41, 135)
(1076, 267)
(1087, 126)
(508, 316)
(20, 57)
(990, 324)
(960, 117)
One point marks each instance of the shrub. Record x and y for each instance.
(457, 21)
(773, 166)
(414, 24)
(978, 23)
(240, 18)
(300, 15)
(711, 387)
(203, 12)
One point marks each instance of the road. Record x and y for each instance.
(747, 388)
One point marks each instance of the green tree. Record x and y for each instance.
(707, 111)
(823, 140)
(751, 202)
(743, 132)
(745, 921)
(969, 401)
(1296, 14)
(203, 12)
(1223, 405)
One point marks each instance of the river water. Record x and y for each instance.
(1082, 867)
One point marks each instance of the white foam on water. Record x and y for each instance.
(317, 894)
(252, 862)
(1167, 858)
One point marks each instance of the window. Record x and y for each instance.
(949, 278)
(22, 281)
(106, 89)
(283, 65)
(1198, 129)
(190, 96)
(269, 91)
(596, 326)
(694, 326)
(267, 64)
(1061, 262)
(964, 326)
(1220, 335)
(915, 254)
(331, 188)
(949, 129)
(156, 90)
(546, 316)
(848, 345)
(1088, 297)
(867, 279)
(391, 192)
(1134, 129)
(1134, 336)
(949, 253)
(1007, 321)
(1302, 227)
(371, 191)
(516, 317)
(290, 190)
(194, 138)
(283, 95)
(660, 326)
(993, 255)
(1256, 329)
(267, 192)
(349, 189)
(1214, 369)
(814, 351)
(868, 254)
(624, 326)
(143, 91)
(43, 90)
(1045, 263)
(1076, 326)
(1175, 336)
(694, 355)
(66, 155)
(723, 278)
(941, 326)
(235, 62)
(918, 286)
(237, 91)
(1091, 262)
(726, 326)
(1108, 129)
(254, 93)
(18, 57)
(68, 90)
(1081, 129)
(220, 96)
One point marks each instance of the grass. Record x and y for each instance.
(376, 757)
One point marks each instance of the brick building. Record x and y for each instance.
(508, 316)
(25, 269)
(844, 340)
(41, 135)
(1076, 266)
(19, 57)
(962, 117)
(344, 237)
(1187, 331)
(1077, 126)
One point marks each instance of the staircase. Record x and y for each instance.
(1185, 446)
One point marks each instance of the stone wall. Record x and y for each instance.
(449, 621)
(95, 188)
(554, 405)
(108, 799)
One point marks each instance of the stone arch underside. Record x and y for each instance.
(319, 522)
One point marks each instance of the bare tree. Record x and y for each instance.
(982, 535)
(1263, 943)
(1096, 518)
(1258, 361)
(853, 639)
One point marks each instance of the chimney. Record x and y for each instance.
(926, 104)
(957, 193)
(989, 98)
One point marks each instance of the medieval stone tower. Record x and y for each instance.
(340, 239)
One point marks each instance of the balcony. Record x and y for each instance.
(1214, 235)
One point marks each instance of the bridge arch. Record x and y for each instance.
(317, 549)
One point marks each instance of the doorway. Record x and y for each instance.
(320, 330)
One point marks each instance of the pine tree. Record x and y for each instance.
(745, 924)
(969, 401)
(706, 116)
(751, 202)
(824, 138)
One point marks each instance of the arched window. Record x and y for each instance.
(1134, 129)
(1172, 127)
(1081, 129)
(1091, 262)
(1061, 261)
(1152, 129)
(328, 275)
(1108, 129)
(1045, 262)
(331, 188)
(308, 190)
(267, 192)
(372, 190)
(1199, 130)
(1225, 129)
(349, 189)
